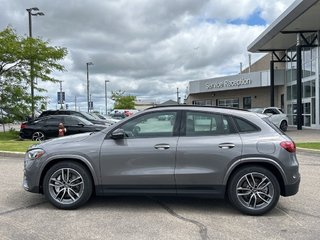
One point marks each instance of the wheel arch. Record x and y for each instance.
(271, 165)
(83, 162)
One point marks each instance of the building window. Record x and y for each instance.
(207, 102)
(229, 103)
(198, 102)
(246, 102)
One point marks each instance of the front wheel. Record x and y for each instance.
(253, 190)
(284, 126)
(67, 185)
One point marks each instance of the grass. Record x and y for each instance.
(309, 145)
(9, 141)
(15, 145)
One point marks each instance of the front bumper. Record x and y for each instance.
(31, 176)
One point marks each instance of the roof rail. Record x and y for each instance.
(189, 105)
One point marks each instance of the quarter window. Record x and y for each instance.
(245, 126)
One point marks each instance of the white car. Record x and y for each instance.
(276, 115)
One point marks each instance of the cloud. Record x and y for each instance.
(147, 48)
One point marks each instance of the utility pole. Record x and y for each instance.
(75, 103)
(61, 97)
(88, 82)
(105, 92)
(178, 98)
(30, 14)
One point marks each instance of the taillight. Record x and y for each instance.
(23, 125)
(290, 146)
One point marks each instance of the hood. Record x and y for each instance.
(62, 140)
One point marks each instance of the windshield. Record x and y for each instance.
(85, 121)
(256, 110)
(88, 116)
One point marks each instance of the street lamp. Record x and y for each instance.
(88, 63)
(105, 92)
(31, 13)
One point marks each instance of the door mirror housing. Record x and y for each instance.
(118, 134)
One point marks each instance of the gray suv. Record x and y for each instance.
(174, 150)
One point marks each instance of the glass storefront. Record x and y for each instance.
(310, 61)
(234, 103)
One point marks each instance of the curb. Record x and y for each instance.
(11, 154)
(308, 150)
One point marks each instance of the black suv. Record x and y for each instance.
(71, 112)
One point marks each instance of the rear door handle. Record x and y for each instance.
(162, 146)
(226, 145)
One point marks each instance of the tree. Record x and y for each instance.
(17, 54)
(122, 101)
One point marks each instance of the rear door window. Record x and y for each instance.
(207, 124)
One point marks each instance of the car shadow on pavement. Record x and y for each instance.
(143, 203)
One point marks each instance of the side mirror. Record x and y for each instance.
(118, 134)
(80, 124)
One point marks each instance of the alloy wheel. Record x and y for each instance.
(66, 186)
(38, 136)
(255, 191)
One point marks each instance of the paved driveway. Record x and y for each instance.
(25, 215)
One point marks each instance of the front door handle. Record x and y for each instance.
(162, 146)
(226, 145)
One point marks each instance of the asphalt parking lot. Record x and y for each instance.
(25, 215)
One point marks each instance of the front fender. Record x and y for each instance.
(57, 158)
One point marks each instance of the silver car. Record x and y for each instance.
(214, 152)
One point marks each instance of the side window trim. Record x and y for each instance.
(176, 126)
(257, 129)
(183, 124)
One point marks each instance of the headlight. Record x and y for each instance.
(35, 153)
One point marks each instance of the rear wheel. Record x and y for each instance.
(38, 136)
(67, 185)
(284, 126)
(253, 190)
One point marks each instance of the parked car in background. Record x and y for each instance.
(276, 116)
(48, 127)
(84, 115)
(206, 151)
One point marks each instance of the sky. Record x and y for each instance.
(147, 48)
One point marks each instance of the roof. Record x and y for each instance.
(301, 16)
(169, 102)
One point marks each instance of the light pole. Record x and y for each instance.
(88, 63)
(105, 93)
(30, 14)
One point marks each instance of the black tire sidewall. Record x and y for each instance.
(233, 184)
(87, 192)
(286, 126)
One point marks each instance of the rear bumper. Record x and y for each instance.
(23, 135)
(291, 189)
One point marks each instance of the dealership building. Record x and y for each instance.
(286, 77)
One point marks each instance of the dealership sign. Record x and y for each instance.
(229, 83)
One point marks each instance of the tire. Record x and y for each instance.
(253, 190)
(38, 136)
(67, 185)
(284, 126)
